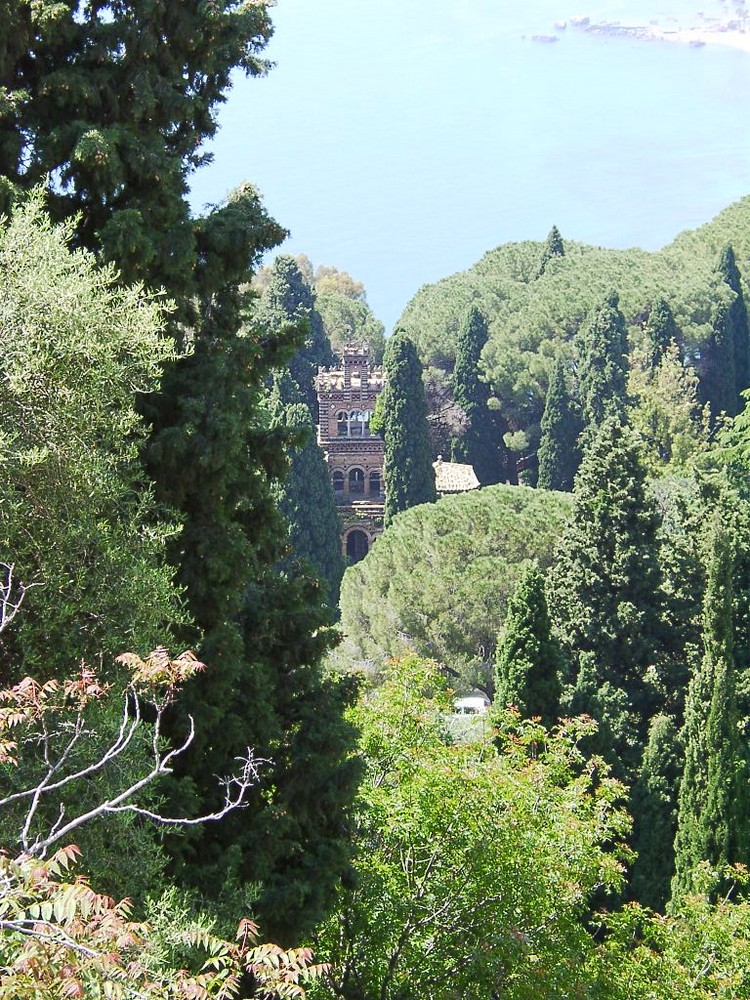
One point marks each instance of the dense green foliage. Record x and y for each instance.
(532, 320)
(474, 866)
(289, 301)
(529, 662)
(559, 454)
(659, 331)
(306, 495)
(719, 381)
(463, 868)
(75, 520)
(726, 361)
(666, 409)
(74, 349)
(482, 444)
(713, 818)
(341, 304)
(697, 952)
(114, 103)
(446, 594)
(602, 367)
(654, 807)
(738, 320)
(263, 634)
(407, 466)
(553, 247)
(59, 937)
(606, 590)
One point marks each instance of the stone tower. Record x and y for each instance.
(346, 400)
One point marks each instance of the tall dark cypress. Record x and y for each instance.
(262, 633)
(605, 590)
(559, 455)
(660, 330)
(737, 322)
(713, 822)
(482, 446)
(306, 497)
(653, 805)
(116, 102)
(529, 662)
(289, 300)
(407, 466)
(602, 371)
(718, 378)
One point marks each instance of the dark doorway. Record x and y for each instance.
(357, 545)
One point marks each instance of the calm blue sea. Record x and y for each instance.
(401, 139)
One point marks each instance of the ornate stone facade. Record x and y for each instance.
(346, 400)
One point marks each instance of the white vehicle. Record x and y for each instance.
(472, 705)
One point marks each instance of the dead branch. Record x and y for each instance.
(12, 595)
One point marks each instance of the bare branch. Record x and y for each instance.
(44, 930)
(12, 595)
(235, 785)
(235, 789)
(126, 733)
(59, 742)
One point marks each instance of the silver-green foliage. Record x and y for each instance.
(75, 348)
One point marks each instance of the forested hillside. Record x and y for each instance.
(535, 312)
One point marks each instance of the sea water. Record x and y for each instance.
(401, 139)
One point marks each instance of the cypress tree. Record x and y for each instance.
(606, 588)
(718, 382)
(653, 805)
(713, 822)
(306, 497)
(528, 662)
(553, 247)
(482, 446)
(660, 331)
(407, 467)
(737, 322)
(559, 456)
(117, 102)
(262, 633)
(117, 108)
(290, 300)
(603, 347)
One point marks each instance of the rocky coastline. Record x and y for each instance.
(733, 33)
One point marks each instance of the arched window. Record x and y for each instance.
(355, 424)
(357, 545)
(374, 484)
(338, 483)
(342, 424)
(359, 423)
(356, 482)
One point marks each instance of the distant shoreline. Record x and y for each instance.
(722, 33)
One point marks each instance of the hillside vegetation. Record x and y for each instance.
(534, 313)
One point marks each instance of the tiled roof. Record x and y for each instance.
(454, 477)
